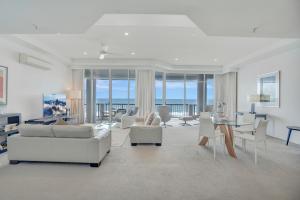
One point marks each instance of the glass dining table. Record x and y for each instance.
(226, 126)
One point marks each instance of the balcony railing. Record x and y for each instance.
(176, 110)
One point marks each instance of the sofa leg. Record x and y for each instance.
(157, 144)
(133, 144)
(108, 152)
(95, 164)
(13, 162)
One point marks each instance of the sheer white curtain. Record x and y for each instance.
(77, 80)
(225, 91)
(145, 91)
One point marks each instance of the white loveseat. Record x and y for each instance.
(59, 143)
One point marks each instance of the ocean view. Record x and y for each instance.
(157, 101)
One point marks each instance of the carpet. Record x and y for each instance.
(179, 169)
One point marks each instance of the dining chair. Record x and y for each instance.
(258, 137)
(246, 118)
(207, 129)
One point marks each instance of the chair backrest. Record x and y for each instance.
(261, 130)
(205, 115)
(164, 113)
(206, 127)
(134, 110)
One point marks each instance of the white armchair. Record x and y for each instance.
(143, 132)
(126, 120)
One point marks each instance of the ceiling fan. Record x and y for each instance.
(104, 52)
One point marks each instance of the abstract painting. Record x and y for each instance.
(3, 85)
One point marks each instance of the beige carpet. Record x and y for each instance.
(178, 170)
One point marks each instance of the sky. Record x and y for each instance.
(175, 89)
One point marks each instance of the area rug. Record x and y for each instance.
(176, 122)
(118, 136)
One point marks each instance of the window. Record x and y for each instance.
(186, 94)
(209, 92)
(191, 94)
(107, 91)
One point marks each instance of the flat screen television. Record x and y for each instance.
(54, 105)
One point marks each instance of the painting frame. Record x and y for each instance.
(269, 85)
(3, 85)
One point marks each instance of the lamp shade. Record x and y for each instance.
(254, 98)
(258, 98)
(74, 94)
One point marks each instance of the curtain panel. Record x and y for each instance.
(145, 91)
(226, 92)
(77, 84)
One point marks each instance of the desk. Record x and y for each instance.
(3, 139)
(260, 115)
(291, 128)
(47, 120)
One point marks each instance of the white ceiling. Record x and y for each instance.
(275, 18)
(190, 32)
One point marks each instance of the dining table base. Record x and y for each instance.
(228, 133)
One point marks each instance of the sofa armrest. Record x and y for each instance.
(145, 129)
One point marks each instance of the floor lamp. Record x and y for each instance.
(75, 96)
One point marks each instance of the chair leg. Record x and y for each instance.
(214, 144)
(224, 145)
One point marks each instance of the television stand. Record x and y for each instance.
(47, 120)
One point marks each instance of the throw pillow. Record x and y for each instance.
(149, 118)
(156, 121)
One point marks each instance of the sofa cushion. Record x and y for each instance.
(35, 130)
(155, 121)
(150, 118)
(72, 131)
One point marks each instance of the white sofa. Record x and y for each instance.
(59, 143)
(143, 132)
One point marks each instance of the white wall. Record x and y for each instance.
(289, 112)
(26, 84)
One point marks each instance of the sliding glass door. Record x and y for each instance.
(186, 94)
(191, 94)
(107, 92)
(175, 93)
(102, 94)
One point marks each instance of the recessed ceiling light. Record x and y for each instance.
(215, 59)
(126, 33)
(85, 53)
(101, 57)
(176, 59)
(132, 53)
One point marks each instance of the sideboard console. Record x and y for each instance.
(7, 119)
